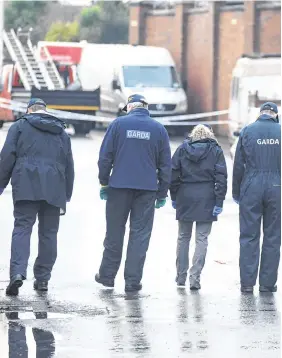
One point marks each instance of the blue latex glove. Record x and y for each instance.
(160, 203)
(236, 201)
(104, 192)
(173, 203)
(216, 211)
(68, 200)
(1, 191)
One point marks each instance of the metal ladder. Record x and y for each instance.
(32, 71)
(23, 66)
(52, 71)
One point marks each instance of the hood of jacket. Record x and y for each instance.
(198, 150)
(45, 122)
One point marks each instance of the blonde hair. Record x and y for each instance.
(201, 132)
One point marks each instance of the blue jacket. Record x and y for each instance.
(135, 154)
(37, 157)
(199, 180)
(258, 156)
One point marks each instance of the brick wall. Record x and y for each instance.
(231, 47)
(205, 43)
(270, 31)
(134, 25)
(199, 61)
(166, 31)
(160, 31)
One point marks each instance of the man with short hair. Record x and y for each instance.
(257, 189)
(134, 172)
(37, 157)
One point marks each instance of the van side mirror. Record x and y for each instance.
(236, 134)
(116, 85)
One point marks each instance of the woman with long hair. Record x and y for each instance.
(198, 189)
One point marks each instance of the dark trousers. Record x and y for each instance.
(140, 204)
(255, 206)
(25, 213)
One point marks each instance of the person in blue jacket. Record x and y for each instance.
(134, 173)
(37, 157)
(257, 190)
(198, 188)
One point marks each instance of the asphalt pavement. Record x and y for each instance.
(78, 319)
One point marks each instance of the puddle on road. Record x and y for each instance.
(17, 340)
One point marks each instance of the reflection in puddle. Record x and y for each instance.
(20, 346)
(190, 309)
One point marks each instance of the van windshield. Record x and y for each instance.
(150, 76)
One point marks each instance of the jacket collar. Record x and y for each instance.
(143, 111)
(266, 117)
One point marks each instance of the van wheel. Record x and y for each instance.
(83, 128)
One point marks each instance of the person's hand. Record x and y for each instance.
(68, 200)
(160, 203)
(216, 211)
(104, 192)
(1, 191)
(173, 203)
(236, 201)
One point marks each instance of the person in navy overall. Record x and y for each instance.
(257, 190)
(134, 172)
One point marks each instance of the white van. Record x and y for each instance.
(122, 70)
(255, 80)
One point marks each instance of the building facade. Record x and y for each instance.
(206, 38)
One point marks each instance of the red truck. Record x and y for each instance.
(64, 57)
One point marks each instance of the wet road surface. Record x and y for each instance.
(79, 319)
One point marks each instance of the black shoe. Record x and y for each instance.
(41, 286)
(180, 283)
(195, 287)
(247, 289)
(133, 288)
(105, 283)
(14, 285)
(267, 289)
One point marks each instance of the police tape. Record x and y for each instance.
(178, 120)
(21, 107)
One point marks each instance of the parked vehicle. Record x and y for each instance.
(122, 70)
(92, 78)
(33, 73)
(255, 80)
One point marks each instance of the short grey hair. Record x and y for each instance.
(269, 113)
(37, 107)
(139, 105)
